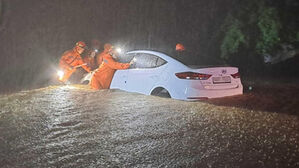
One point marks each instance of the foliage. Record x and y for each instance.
(254, 24)
(269, 27)
(233, 37)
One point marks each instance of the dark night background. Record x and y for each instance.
(34, 33)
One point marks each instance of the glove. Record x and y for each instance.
(132, 61)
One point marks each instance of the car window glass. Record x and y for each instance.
(160, 62)
(144, 60)
(125, 58)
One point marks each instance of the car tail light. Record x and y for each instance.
(236, 75)
(193, 76)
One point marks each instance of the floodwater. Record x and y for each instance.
(72, 126)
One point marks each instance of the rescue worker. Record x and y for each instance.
(179, 47)
(184, 55)
(102, 77)
(180, 52)
(107, 48)
(91, 54)
(71, 60)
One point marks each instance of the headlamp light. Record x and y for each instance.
(119, 50)
(60, 74)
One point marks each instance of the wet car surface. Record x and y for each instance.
(73, 126)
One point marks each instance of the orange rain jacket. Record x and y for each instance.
(100, 57)
(68, 62)
(102, 77)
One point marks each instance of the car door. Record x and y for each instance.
(145, 73)
(120, 77)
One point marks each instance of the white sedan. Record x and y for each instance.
(155, 73)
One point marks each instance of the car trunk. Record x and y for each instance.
(221, 77)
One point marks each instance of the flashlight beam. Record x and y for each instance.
(119, 50)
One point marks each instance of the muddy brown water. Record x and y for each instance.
(73, 126)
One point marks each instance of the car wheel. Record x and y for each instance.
(161, 92)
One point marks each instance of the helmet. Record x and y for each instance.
(81, 44)
(179, 47)
(108, 46)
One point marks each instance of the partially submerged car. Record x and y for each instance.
(155, 73)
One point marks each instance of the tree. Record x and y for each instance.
(254, 24)
(233, 37)
(269, 26)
